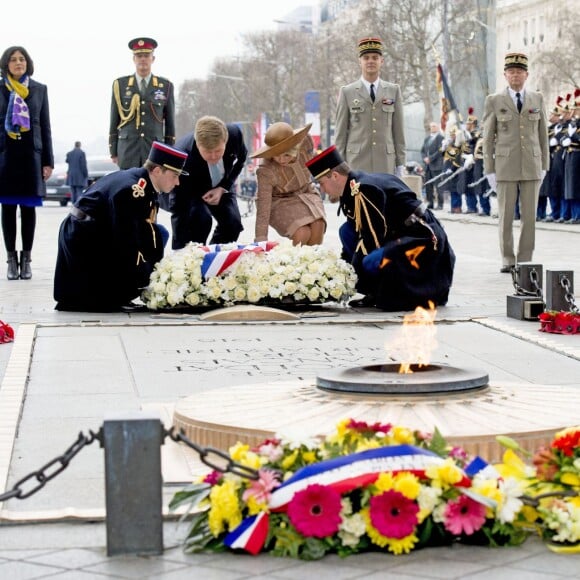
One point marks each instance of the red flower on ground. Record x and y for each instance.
(315, 511)
(464, 516)
(393, 515)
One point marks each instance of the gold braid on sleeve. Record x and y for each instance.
(132, 112)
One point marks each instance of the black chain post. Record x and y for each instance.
(214, 458)
(568, 296)
(42, 476)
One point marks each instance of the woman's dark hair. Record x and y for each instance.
(5, 59)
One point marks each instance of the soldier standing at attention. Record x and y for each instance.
(142, 109)
(516, 157)
(369, 132)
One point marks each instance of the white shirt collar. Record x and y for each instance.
(367, 84)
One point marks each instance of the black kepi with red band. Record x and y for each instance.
(324, 162)
(168, 157)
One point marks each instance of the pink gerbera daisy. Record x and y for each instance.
(393, 515)
(261, 488)
(464, 515)
(315, 511)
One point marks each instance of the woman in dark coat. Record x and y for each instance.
(26, 157)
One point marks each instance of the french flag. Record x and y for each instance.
(216, 261)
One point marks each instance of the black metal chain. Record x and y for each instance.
(214, 458)
(568, 296)
(534, 279)
(42, 476)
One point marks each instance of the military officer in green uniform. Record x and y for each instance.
(142, 109)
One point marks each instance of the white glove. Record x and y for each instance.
(553, 142)
(492, 181)
(557, 129)
(469, 161)
(399, 171)
(566, 142)
(543, 174)
(571, 130)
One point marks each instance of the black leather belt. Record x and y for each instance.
(80, 214)
(418, 213)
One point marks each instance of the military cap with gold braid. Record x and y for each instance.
(516, 59)
(370, 44)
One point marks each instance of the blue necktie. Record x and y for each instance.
(372, 92)
(519, 102)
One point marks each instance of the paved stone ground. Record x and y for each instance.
(72, 369)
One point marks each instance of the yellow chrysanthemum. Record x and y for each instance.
(255, 507)
(402, 546)
(407, 484)
(289, 460)
(242, 454)
(384, 482)
(225, 512)
(402, 435)
(444, 474)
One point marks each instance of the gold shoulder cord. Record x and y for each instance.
(360, 206)
(130, 113)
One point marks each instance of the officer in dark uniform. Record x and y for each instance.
(572, 168)
(142, 109)
(552, 187)
(397, 246)
(110, 241)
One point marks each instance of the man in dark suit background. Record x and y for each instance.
(77, 175)
(142, 109)
(433, 160)
(216, 157)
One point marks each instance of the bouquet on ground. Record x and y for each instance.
(560, 322)
(552, 488)
(260, 273)
(363, 487)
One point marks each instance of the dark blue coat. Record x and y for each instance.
(22, 160)
(401, 253)
(105, 260)
(78, 173)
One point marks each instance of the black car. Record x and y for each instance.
(58, 190)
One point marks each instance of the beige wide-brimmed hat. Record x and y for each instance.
(280, 137)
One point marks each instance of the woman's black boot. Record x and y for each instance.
(12, 273)
(25, 270)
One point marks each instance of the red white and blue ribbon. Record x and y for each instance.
(250, 535)
(356, 470)
(218, 260)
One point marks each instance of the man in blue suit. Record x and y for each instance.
(77, 175)
(216, 157)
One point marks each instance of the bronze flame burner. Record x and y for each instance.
(385, 379)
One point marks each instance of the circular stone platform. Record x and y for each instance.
(531, 414)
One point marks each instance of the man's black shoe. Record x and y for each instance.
(366, 301)
(506, 269)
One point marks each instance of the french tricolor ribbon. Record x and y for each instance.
(250, 535)
(356, 470)
(216, 261)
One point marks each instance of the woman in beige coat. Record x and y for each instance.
(286, 199)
